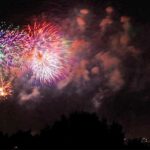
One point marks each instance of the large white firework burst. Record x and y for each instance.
(48, 56)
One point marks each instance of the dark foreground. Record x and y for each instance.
(80, 130)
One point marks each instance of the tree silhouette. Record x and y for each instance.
(79, 130)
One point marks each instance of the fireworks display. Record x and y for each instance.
(39, 51)
(5, 89)
(67, 56)
(11, 45)
(47, 55)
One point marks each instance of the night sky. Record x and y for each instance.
(110, 73)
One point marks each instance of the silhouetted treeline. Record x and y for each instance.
(80, 130)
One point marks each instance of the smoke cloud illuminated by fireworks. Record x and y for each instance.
(83, 59)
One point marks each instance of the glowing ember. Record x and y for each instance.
(5, 88)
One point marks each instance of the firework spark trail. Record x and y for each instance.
(47, 55)
(12, 42)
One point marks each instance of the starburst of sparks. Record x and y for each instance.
(12, 43)
(47, 56)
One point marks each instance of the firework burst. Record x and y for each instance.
(5, 88)
(47, 56)
(12, 42)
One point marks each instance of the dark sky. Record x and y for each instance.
(26, 8)
(131, 108)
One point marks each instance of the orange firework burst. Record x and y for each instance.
(5, 88)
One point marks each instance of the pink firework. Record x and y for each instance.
(47, 55)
